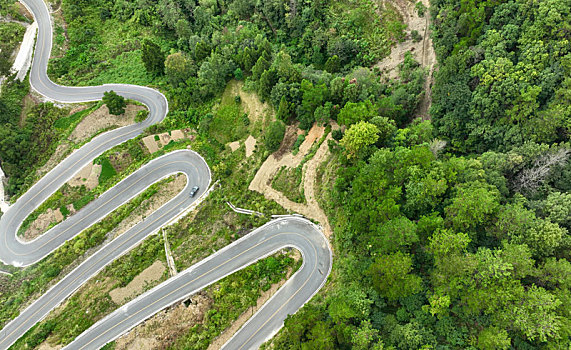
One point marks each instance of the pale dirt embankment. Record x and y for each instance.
(263, 179)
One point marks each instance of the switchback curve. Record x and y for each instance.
(288, 232)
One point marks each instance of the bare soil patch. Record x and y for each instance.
(250, 145)
(155, 142)
(46, 346)
(41, 224)
(101, 119)
(88, 177)
(165, 327)
(151, 274)
(291, 133)
(234, 145)
(251, 104)
(150, 143)
(313, 135)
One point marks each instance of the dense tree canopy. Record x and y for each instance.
(505, 73)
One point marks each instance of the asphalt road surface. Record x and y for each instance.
(287, 232)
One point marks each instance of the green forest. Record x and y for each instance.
(448, 233)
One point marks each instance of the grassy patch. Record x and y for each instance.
(288, 182)
(83, 201)
(127, 68)
(228, 125)
(70, 122)
(107, 170)
(376, 28)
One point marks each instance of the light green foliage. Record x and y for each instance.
(366, 337)
(557, 207)
(332, 65)
(534, 315)
(141, 116)
(313, 97)
(543, 237)
(392, 276)
(352, 113)
(493, 338)
(394, 235)
(556, 273)
(472, 206)
(285, 69)
(445, 243)
(358, 137)
(349, 302)
(512, 218)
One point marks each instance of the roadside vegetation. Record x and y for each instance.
(11, 34)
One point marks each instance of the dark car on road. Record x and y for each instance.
(193, 191)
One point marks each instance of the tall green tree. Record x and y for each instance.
(153, 57)
(358, 137)
(274, 135)
(114, 102)
(179, 67)
(392, 276)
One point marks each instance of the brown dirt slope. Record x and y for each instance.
(263, 178)
(423, 51)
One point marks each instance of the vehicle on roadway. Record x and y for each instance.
(193, 191)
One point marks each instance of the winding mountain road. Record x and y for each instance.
(286, 232)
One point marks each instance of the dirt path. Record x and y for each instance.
(422, 51)
(262, 181)
(151, 274)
